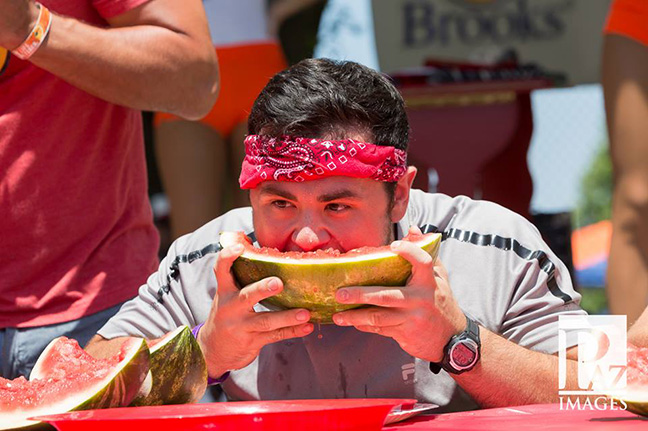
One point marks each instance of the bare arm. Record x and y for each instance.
(158, 56)
(100, 347)
(508, 374)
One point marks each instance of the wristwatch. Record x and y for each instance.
(462, 352)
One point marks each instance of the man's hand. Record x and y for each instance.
(234, 333)
(17, 19)
(421, 316)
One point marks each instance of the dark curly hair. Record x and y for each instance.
(323, 98)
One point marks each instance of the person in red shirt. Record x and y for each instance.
(625, 87)
(77, 233)
(199, 159)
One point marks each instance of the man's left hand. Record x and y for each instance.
(421, 316)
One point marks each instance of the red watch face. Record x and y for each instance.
(462, 355)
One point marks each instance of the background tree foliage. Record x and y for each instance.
(596, 191)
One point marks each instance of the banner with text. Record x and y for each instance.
(561, 36)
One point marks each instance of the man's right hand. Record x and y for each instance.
(234, 333)
(17, 19)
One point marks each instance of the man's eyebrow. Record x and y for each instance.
(341, 194)
(276, 191)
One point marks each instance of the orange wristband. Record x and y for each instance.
(37, 35)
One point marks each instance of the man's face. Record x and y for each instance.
(341, 213)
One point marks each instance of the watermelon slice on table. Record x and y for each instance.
(67, 378)
(178, 370)
(311, 278)
(635, 396)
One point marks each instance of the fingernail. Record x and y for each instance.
(397, 244)
(343, 295)
(303, 316)
(308, 329)
(338, 320)
(237, 248)
(273, 285)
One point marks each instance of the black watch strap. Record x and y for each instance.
(472, 329)
(435, 367)
(471, 333)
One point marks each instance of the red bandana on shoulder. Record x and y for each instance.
(303, 159)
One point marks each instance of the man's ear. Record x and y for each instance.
(401, 194)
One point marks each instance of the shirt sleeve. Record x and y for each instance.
(159, 307)
(111, 8)
(181, 291)
(501, 271)
(543, 292)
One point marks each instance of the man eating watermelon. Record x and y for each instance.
(326, 169)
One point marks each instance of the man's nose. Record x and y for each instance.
(308, 238)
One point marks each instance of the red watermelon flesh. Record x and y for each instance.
(635, 395)
(67, 369)
(638, 366)
(66, 378)
(320, 254)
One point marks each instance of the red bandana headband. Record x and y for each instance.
(302, 159)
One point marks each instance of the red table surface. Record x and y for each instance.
(525, 418)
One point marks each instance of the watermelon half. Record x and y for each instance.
(311, 278)
(67, 378)
(178, 369)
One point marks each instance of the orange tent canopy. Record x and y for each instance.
(591, 244)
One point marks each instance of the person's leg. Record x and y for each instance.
(6, 335)
(255, 64)
(191, 159)
(625, 85)
(25, 345)
(239, 198)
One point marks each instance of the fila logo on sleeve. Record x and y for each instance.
(408, 371)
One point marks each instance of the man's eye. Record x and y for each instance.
(281, 204)
(336, 207)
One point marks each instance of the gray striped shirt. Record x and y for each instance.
(500, 270)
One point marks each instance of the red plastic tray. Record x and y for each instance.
(311, 415)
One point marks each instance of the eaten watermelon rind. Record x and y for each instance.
(636, 399)
(638, 407)
(117, 389)
(635, 394)
(311, 282)
(178, 369)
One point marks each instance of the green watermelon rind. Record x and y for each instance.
(635, 398)
(179, 370)
(638, 407)
(635, 394)
(313, 286)
(116, 390)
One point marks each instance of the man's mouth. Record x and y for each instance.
(327, 247)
